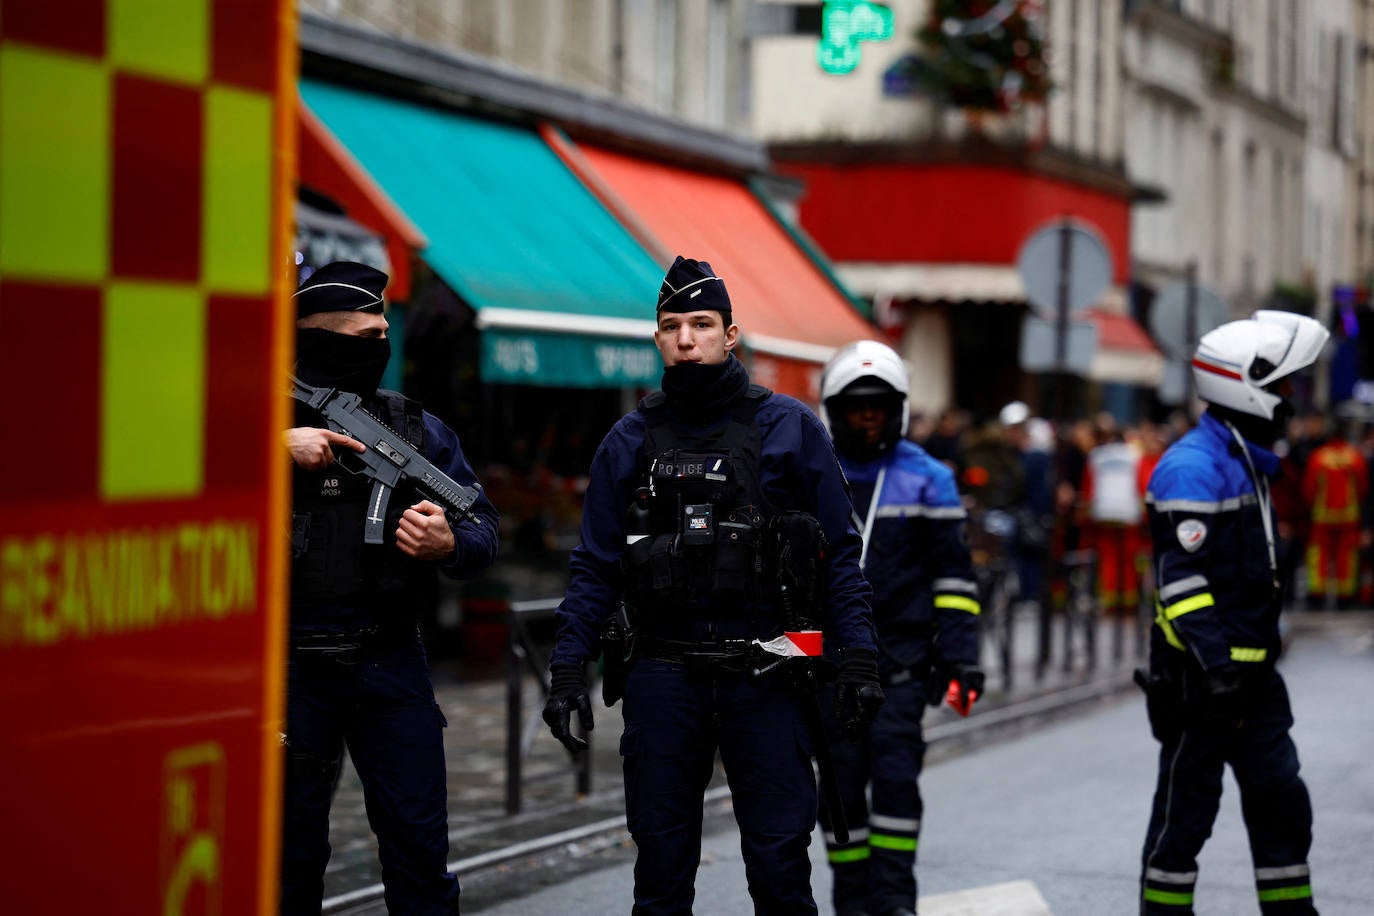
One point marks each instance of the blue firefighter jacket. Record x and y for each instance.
(799, 471)
(924, 592)
(1218, 598)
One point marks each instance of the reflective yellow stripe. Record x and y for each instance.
(900, 843)
(1242, 654)
(1285, 893)
(848, 855)
(1169, 898)
(1167, 629)
(958, 603)
(1179, 608)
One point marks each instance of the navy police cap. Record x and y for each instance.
(692, 286)
(343, 286)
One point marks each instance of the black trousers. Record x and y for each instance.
(380, 702)
(675, 721)
(875, 871)
(1273, 798)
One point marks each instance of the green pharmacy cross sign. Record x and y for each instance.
(846, 23)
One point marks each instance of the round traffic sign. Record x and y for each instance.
(1169, 317)
(1064, 250)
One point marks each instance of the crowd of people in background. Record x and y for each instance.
(1080, 485)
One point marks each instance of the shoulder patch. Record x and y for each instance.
(1191, 533)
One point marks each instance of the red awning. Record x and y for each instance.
(326, 166)
(1125, 352)
(1120, 332)
(791, 315)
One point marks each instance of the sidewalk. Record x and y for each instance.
(497, 852)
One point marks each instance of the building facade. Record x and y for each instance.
(1253, 119)
(1225, 136)
(682, 58)
(924, 203)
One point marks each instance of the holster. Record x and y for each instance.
(618, 654)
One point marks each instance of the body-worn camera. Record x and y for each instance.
(698, 525)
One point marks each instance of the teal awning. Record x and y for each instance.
(564, 295)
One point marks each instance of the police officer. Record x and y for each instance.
(1213, 694)
(699, 480)
(357, 672)
(925, 606)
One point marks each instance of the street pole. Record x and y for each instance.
(1189, 335)
(1061, 320)
(1058, 530)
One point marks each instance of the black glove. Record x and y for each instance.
(858, 694)
(967, 680)
(1162, 704)
(568, 691)
(1224, 699)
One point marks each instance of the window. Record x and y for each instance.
(1343, 94)
(1290, 39)
(665, 63)
(717, 62)
(1272, 64)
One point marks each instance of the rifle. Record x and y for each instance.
(801, 546)
(389, 460)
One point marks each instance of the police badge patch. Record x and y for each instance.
(1191, 533)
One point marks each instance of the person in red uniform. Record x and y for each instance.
(1334, 485)
(1114, 509)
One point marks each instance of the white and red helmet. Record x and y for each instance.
(864, 367)
(1236, 362)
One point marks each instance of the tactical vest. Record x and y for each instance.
(330, 563)
(697, 538)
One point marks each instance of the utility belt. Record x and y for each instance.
(345, 648)
(734, 655)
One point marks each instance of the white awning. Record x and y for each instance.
(949, 282)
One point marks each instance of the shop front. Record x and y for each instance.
(933, 241)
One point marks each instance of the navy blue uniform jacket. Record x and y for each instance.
(799, 471)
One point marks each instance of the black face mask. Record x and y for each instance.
(327, 359)
(700, 393)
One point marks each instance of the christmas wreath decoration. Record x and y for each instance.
(983, 54)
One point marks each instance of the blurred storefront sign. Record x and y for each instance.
(845, 25)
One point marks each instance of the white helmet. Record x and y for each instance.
(1237, 361)
(866, 368)
(1014, 414)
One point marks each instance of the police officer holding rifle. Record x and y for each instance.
(364, 538)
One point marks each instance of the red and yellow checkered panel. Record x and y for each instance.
(137, 140)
